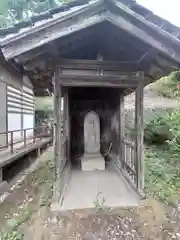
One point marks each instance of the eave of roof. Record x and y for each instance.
(130, 6)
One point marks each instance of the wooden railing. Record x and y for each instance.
(129, 161)
(21, 138)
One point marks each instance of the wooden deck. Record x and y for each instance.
(6, 157)
(16, 148)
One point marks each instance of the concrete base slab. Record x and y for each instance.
(98, 189)
(91, 162)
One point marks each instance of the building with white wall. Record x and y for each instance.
(16, 103)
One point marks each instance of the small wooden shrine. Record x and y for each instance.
(92, 54)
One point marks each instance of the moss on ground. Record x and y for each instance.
(33, 193)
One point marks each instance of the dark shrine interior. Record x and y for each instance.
(105, 102)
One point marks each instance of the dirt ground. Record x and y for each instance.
(26, 214)
(146, 222)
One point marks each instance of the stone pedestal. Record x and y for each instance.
(92, 159)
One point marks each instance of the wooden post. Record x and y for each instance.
(34, 135)
(139, 126)
(67, 123)
(24, 137)
(65, 114)
(1, 175)
(121, 128)
(12, 142)
(68, 127)
(39, 152)
(57, 135)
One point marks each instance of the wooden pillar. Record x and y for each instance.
(63, 113)
(57, 134)
(121, 128)
(1, 175)
(67, 121)
(69, 128)
(139, 126)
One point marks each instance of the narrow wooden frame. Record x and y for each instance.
(57, 134)
(139, 126)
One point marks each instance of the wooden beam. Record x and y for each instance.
(121, 129)
(57, 135)
(139, 126)
(99, 80)
(96, 64)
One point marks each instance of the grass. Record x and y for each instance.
(162, 178)
(99, 201)
(35, 192)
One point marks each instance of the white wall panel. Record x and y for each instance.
(28, 110)
(20, 104)
(28, 122)
(14, 123)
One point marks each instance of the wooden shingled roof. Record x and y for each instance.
(148, 15)
(27, 43)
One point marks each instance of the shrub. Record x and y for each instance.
(157, 131)
(165, 130)
(42, 116)
(162, 178)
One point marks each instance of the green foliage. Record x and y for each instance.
(17, 10)
(174, 128)
(42, 116)
(162, 162)
(12, 236)
(165, 130)
(168, 86)
(162, 175)
(23, 217)
(99, 201)
(157, 131)
(43, 109)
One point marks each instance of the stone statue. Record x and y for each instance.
(92, 158)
